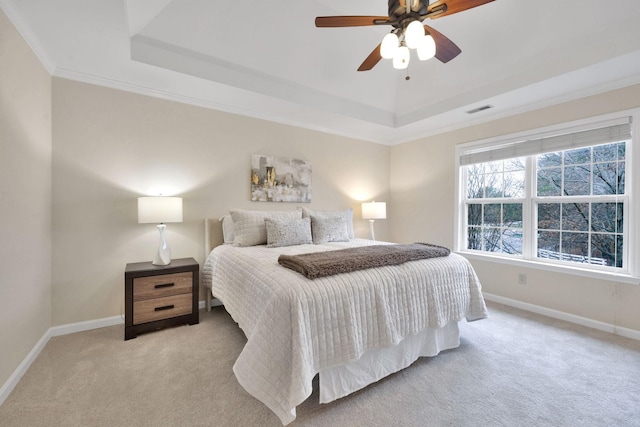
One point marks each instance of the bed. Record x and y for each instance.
(351, 329)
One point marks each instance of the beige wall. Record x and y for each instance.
(109, 147)
(422, 189)
(25, 199)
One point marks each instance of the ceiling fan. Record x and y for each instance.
(406, 16)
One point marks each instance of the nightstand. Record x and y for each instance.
(159, 296)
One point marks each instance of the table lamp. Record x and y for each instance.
(160, 210)
(372, 211)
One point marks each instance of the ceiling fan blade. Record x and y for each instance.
(350, 21)
(371, 61)
(446, 50)
(453, 6)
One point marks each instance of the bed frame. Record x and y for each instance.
(212, 238)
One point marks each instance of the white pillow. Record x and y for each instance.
(347, 214)
(249, 228)
(332, 229)
(227, 229)
(288, 232)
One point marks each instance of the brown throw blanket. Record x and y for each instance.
(320, 264)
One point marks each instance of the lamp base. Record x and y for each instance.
(163, 256)
(373, 236)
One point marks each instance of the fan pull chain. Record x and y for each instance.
(408, 77)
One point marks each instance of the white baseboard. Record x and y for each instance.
(72, 328)
(13, 380)
(572, 318)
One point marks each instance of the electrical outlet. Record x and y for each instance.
(522, 279)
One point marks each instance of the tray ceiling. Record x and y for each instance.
(268, 60)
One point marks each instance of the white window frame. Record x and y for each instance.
(632, 198)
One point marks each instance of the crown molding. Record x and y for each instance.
(25, 30)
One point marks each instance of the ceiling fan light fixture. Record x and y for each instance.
(389, 46)
(427, 48)
(401, 58)
(406, 17)
(413, 34)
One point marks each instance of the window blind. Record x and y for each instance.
(619, 130)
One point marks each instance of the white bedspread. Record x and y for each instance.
(296, 326)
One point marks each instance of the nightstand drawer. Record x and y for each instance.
(161, 308)
(162, 286)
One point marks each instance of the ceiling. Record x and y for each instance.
(266, 59)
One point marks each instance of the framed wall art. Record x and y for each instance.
(280, 179)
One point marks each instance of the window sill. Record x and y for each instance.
(564, 269)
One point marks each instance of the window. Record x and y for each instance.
(580, 201)
(558, 198)
(495, 194)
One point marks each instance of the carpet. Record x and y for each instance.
(513, 369)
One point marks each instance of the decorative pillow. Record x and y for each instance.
(347, 214)
(249, 228)
(288, 232)
(329, 229)
(227, 229)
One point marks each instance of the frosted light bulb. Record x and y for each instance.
(413, 34)
(389, 46)
(401, 58)
(426, 48)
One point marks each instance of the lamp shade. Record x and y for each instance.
(159, 209)
(389, 46)
(374, 210)
(413, 34)
(401, 58)
(426, 48)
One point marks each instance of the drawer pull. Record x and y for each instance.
(164, 285)
(165, 307)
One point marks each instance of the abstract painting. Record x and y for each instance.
(280, 179)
